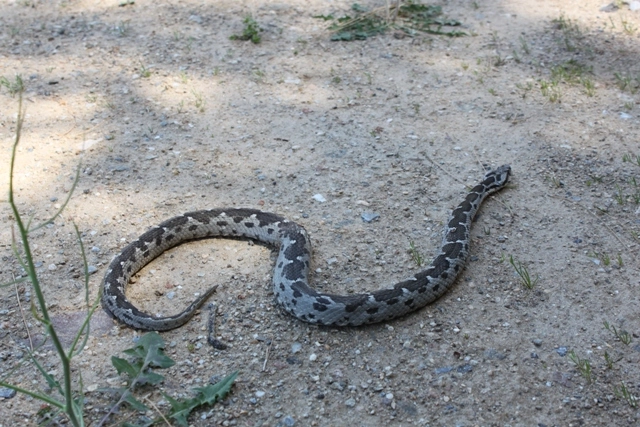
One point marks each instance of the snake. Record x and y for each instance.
(291, 287)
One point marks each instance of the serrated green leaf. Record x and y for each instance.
(154, 345)
(134, 403)
(122, 365)
(211, 393)
(149, 377)
(180, 410)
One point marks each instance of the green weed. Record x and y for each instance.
(251, 31)
(524, 45)
(571, 33)
(627, 82)
(550, 90)
(410, 17)
(416, 256)
(523, 272)
(628, 27)
(608, 360)
(13, 86)
(145, 358)
(623, 336)
(61, 395)
(144, 71)
(622, 392)
(583, 365)
(199, 102)
(632, 158)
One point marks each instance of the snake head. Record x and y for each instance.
(497, 178)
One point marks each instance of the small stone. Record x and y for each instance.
(350, 402)
(92, 269)
(537, 342)
(95, 249)
(52, 267)
(7, 393)
(319, 198)
(389, 396)
(369, 216)
(562, 351)
(288, 421)
(313, 357)
(171, 295)
(260, 393)
(296, 347)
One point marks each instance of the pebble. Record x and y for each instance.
(537, 342)
(171, 295)
(260, 393)
(296, 347)
(369, 216)
(313, 357)
(464, 369)
(52, 267)
(319, 198)
(492, 353)
(7, 393)
(562, 351)
(92, 269)
(95, 249)
(350, 402)
(288, 421)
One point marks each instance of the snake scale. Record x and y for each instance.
(291, 273)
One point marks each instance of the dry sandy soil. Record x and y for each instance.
(166, 114)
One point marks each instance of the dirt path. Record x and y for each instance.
(168, 115)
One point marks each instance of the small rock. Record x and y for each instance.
(288, 421)
(319, 198)
(350, 402)
(7, 393)
(171, 295)
(562, 351)
(313, 357)
(537, 342)
(52, 267)
(369, 216)
(296, 347)
(92, 269)
(260, 393)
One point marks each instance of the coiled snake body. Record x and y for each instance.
(291, 273)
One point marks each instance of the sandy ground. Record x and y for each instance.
(165, 115)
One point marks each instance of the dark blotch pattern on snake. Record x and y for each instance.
(291, 273)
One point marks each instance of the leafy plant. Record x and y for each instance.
(251, 31)
(146, 356)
